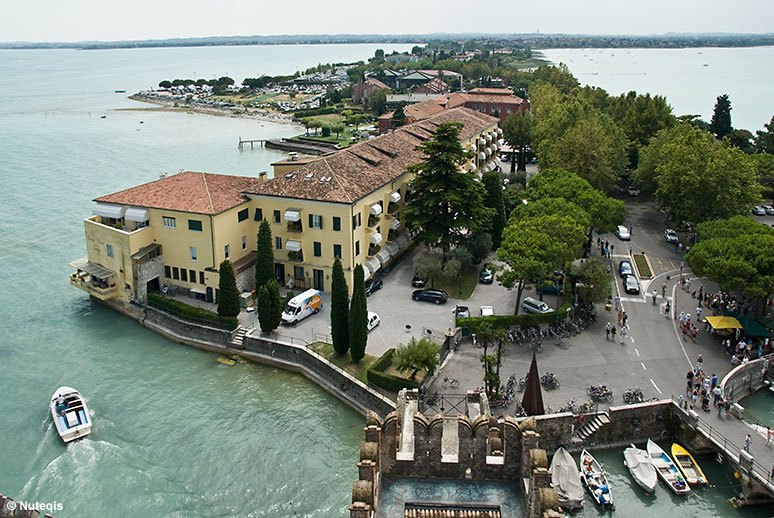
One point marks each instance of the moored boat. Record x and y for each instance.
(70, 414)
(688, 465)
(667, 470)
(595, 480)
(566, 479)
(641, 468)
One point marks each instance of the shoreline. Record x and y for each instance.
(240, 112)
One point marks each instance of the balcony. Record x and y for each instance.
(97, 290)
(296, 257)
(94, 279)
(295, 227)
(373, 220)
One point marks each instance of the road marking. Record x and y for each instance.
(632, 340)
(656, 386)
(675, 322)
(643, 366)
(638, 352)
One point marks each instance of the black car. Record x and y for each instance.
(486, 276)
(430, 295)
(555, 288)
(418, 282)
(372, 285)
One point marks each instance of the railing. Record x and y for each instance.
(432, 404)
(93, 288)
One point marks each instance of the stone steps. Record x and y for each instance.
(590, 427)
(239, 337)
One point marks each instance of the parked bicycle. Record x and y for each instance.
(536, 346)
(599, 393)
(633, 396)
(453, 383)
(549, 381)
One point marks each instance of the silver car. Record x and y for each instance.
(631, 285)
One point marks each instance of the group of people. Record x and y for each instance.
(605, 248)
(611, 331)
(700, 387)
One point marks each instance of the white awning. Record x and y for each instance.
(395, 197)
(472, 167)
(199, 291)
(392, 248)
(367, 273)
(137, 214)
(376, 209)
(488, 151)
(383, 255)
(495, 147)
(292, 215)
(499, 131)
(376, 238)
(473, 148)
(395, 224)
(401, 241)
(489, 138)
(108, 210)
(482, 156)
(501, 142)
(373, 264)
(293, 246)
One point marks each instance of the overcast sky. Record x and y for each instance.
(107, 20)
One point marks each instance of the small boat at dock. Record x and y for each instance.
(595, 480)
(641, 468)
(688, 465)
(667, 470)
(566, 480)
(71, 416)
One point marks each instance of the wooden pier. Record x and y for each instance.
(259, 142)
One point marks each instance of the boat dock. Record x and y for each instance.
(300, 146)
(260, 142)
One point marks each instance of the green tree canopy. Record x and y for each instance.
(649, 157)
(228, 295)
(399, 115)
(517, 131)
(429, 267)
(558, 76)
(358, 317)
(377, 101)
(494, 200)
(339, 309)
(416, 355)
(764, 139)
(720, 124)
(596, 279)
(264, 262)
(269, 306)
(447, 206)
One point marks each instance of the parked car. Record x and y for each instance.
(487, 311)
(553, 288)
(623, 233)
(632, 191)
(631, 285)
(301, 306)
(769, 209)
(418, 282)
(758, 211)
(461, 312)
(372, 285)
(486, 276)
(625, 268)
(671, 236)
(530, 305)
(373, 320)
(430, 295)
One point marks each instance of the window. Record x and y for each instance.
(258, 215)
(278, 243)
(336, 223)
(357, 248)
(227, 251)
(167, 272)
(337, 251)
(201, 277)
(243, 215)
(356, 222)
(244, 242)
(315, 221)
(193, 254)
(110, 250)
(277, 216)
(194, 225)
(192, 275)
(183, 274)
(298, 272)
(168, 222)
(317, 249)
(507, 109)
(175, 273)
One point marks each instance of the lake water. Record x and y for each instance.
(175, 433)
(690, 79)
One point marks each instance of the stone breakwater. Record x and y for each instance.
(240, 112)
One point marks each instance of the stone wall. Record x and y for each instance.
(245, 280)
(341, 384)
(193, 333)
(746, 379)
(147, 271)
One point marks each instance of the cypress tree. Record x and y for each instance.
(264, 263)
(494, 200)
(228, 295)
(269, 306)
(358, 317)
(721, 117)
(339, 309)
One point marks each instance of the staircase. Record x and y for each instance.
(238, 338)
(592, 424)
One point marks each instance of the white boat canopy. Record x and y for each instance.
(109, 210)
(293, 246)
(376, 209)
(482, 156)
(137, 214)
(376, 238)
(292, 215)
(367, 273)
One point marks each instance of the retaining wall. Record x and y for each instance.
(181, 328)
(746, 379)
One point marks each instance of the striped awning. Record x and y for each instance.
(383, 255)
(137, 214)
(376, 238)
(367, 273)
(401, 240)
(395, 224)
(293, 246)
(391, 248)
(97, 270)
(482, 156)
(376, 209)
(373, 264)
(109, 210)
(395, 197)
(292, 215)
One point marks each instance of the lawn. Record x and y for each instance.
(462, 289)
(642, 266)
(358, 370)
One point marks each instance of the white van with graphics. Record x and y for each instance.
(301, 306)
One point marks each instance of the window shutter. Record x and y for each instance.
(311, 221)
(321, 220)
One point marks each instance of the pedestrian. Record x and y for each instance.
(655, 296)
(719, 404)
(694, 397)
(599, 242)
(607, 331)
(714, 380)
(699, 362)
(694, 331)
(612, 247)
(680, 401)
(620, 316)
(631, 229)
(680, 247)
(682, 318)
(727, 406)
(623, 335)
(617, 301)
(687, 284)
(687, 318)
(667, 309)
(747, 442)
(689, 381)
(685, 332)
(663, 290)
(769, 436)
(701, 294)
(625, 319)
(716, 392)
(612, 333)
(676, 247)
(698, 313)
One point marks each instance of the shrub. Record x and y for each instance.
(506, 321)
(191, 313)
(376, 375)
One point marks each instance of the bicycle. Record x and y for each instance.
(536, 346)
(562, 343)
(549, 381)
(453, 383)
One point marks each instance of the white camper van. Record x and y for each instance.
(301, 306)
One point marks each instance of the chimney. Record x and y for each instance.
(262, 176)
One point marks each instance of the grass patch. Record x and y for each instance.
(461, 289)
(344, 362)
(642, 266)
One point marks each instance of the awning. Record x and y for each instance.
(488, 151)
(472, 167)
(488, 138)
(401, 240)
(292, 215)
(499, 131)
(94, 269)
(750, 326)
(376, 209)
(373, 264)
(142, 252)
(137, 214)
(293, 246)
(383, 255)
(199, 291)
(108, 210)
(376, 238)
(724, 322)
(395, 197)
(473, 148)
(482, 156)
(392, 248)
(367, 273)
(395, 224)
(500, 142)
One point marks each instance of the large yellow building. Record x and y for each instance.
(174, 232)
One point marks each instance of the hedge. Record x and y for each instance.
(300, 114)
(376, 375)
(506, 321)
(191, 313)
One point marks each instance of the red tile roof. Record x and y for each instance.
(202, 193)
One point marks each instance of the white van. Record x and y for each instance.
(531, 305)
(301, 306)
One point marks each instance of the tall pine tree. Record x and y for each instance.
(228, 295)
(358, 317)
(339, 309)
(269, 306)
(494, 200)
(721, 117)
(264, 263)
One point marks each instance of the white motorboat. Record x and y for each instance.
(595, 480)
(641, 468)
(70, 414)
(566, 479)
(667, 470)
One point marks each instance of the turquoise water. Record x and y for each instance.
(759, 407)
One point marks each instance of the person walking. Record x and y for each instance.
(625, 319)
(689, 381)
(769, 436)
(747, 442)
(663, 290)
(655, 296)
(620, 316)
(667, 308)
(631, 230)
(719, 404)
(714, 380)
(623, 335)
(698, 313)
(682, 318)
(607, 331)
(716, 392)
(617, 302)
(612, 333)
